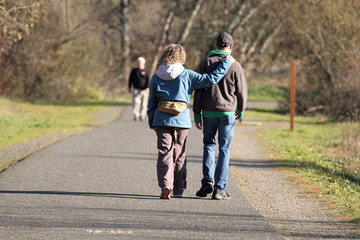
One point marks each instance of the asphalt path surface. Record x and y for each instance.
(102, 185)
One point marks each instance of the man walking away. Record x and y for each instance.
(139, 79)
(220, 105)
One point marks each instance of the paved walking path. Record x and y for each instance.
(102, 185)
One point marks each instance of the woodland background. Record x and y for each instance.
(67, 50)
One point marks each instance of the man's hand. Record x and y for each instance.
(147, 90)
(237, 117)
(230, 58)
(129, 90)
(198, 125)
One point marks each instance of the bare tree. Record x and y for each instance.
(17, 18)
(163, 37)
(125, 43)
(327, 44)
(189, 23)
(67, 15)
(166, 31)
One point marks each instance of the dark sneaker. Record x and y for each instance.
(220, 195)
(205, 190)
(165, 194)
(178, 195)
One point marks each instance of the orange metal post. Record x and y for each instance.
(292, 94)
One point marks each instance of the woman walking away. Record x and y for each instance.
(168, 114)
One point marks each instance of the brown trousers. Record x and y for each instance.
(171, 165)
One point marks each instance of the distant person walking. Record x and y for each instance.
(168, 114)
(220, 105)
(139, 80)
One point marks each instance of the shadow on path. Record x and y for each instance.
(87, 194)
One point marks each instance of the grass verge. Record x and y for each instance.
(266, 93)
(24, 121)
(316, 157)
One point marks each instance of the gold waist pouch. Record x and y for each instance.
(172, 107)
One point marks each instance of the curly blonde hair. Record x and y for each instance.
(172, 53)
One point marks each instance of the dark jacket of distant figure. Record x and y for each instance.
(139, 78)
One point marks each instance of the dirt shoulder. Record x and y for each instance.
(289, 210)
(16, 152)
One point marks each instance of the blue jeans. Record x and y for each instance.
(224, 126)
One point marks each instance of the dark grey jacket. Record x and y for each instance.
(229, 95)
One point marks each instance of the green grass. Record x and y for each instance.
(265, 93)
(23, 121)
(313, 151)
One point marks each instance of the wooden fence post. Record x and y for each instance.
(292, 94)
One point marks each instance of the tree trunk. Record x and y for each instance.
(165, 33)
(166, 30)
(125, 38)
(66, 12)
(185, 33)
